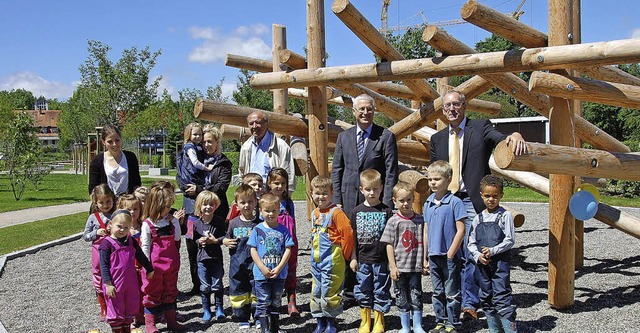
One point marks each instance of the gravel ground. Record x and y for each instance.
(51, 291)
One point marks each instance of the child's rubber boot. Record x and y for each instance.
(206, 307)
(508, 325)
(103, 305)
(274, 323)
(417, 322)
(171, 315)
(292, 307)
(264, 324)
(332, 326)
(365, 320)
(378, 322)
(150, 321)
(405, 321)
(321, 325)
(219, 306)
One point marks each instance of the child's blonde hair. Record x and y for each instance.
(246, 179)
(441, 167)
(205, 197)
(127, 201)
(121, 215)
(244, 190)
(370, 177)
(189, 129)
(402, 186)
(279, 172)
(161, 196)
(102, 190)
(269, 199)
(320, 181)
(141, 193)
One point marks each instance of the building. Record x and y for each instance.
(532, 129)
(46, 121)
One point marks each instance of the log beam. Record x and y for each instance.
(554, 57)
(586, 90)
(420, 185)
(555, 159)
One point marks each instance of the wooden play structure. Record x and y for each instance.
(554, 94)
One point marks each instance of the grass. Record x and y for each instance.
(55, 189)
(15, 238)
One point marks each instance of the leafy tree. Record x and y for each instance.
(410, 43)
(22, 154)
(117, 90)
(18, 99)
(75, 119)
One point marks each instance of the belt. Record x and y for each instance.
(461, 195)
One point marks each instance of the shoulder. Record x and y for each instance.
(98, 159)
(130, 156)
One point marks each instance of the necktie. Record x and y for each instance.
(360, 145)
(454, 160)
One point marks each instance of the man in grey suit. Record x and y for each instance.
(477, 138)
(378, 149)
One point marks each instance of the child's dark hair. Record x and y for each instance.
(491, 180)
(279, 172)
(101, 191)
(244, 190)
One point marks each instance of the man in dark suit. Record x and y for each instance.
(476, 139)
(378, 150)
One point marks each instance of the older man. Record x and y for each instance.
(467, 145)
(364, 146)
(264, 151)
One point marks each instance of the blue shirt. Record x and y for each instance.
(260, 156)
(441, 222)
(270, 244)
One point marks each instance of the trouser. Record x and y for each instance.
(495, 287)
(408, 290)
(373, 288)
(445, 277)
(269, 297)
(469, 284)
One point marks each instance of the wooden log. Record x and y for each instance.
(280, 96)
(502, 25)
(555, 57)
(610, 74)
(300, 156)
(233, 132)
(420, 185)
(292, 59)
(516, 87)
(577, 109)
(249, 63)
(584, 89)
(371, 37)
(518, 217)
(555, 159)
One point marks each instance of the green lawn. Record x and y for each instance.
(26, 235)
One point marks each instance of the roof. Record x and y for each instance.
(43, 118)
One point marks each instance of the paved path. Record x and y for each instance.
(41, 213)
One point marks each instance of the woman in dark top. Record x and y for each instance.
(115, 167)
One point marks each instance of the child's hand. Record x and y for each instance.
(395, 275)
(486, 251)
(209, 167)
(354, 265)
(179, 214)
(202, 241)
(265, 271)
(425, 267)
(111, 291)
(231, 243)
(101, 232)
(150, 275)
(483, 259)
(275, 272)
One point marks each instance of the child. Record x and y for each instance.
(369, 257)
(444, 214)
(141, 193)
(240, 262)
(191, 174)
(403, 236)
(95, 230)
(255, 181)
(270, 244)
(332, 244)
(490, 241)
(131, 203)
(208, 232)
(160, 239)
(120, 283)
(278, 184)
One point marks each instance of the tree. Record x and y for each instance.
(121, 89)
(22, 154)
(18, 99)
(75, 119)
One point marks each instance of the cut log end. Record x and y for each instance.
(198, 108)
(429, 32)
(339, 6)
(503, 155)
(469, 9)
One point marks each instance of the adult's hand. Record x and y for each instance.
(191, 189)
(517, 143)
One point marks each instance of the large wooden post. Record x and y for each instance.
(561, 222)
(316, 105)
(576, 38)
(280, 96)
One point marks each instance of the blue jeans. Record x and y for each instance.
(470, 287)
(373, 287)
(210, 273)
(445, 277)
(408, 290)
(495, 287)
(269, 296)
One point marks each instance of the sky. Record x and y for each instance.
(43, 43)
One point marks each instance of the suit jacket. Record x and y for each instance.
(381, 153)
(98, 176)
(480, 138)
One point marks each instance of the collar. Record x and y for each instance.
(463, 124)
(265, 142)
(445, 200)
(368, 130)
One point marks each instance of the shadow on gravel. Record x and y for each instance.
(544, 323)
(518, 259)
(598, 300)
(607, 266)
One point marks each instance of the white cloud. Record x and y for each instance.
(165, 83)
(635, 33)
(38, 85)
(227, 91)
(245, 40)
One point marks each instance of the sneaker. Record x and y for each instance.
(258, 324)
(243, 325)
(438, 329)
(450, 330)
(469, 314)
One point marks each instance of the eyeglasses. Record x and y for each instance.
(364, 109)
(452, 104)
